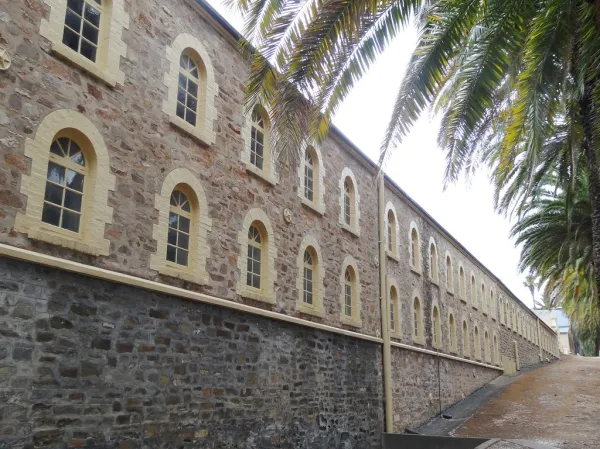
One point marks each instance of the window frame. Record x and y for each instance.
(477, 342)
(318, 202)
(392, 284)
(474, 294)
(466, 339)
(452, 332)
(356, 319)
(418, 331)
(449, 274)
(415, 260)
(462, 283)
(436, 326)
(484, 301)
(317, 308)
(434, 262)
(394, 254)
(354, 226)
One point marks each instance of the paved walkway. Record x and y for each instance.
(557, 405)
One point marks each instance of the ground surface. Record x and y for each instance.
(557, 404)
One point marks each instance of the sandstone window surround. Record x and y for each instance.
(473, 291)
(89, 34)
(436, 326)
(462, 283)
(350, 301)
(312, 179)
(496, 350)
(349, 202)
(477, 342)
(449, 274)
(309, 282)
(392, 230)
(395, 309)
(95, 213)
(433, 262)
(493, 307)
(465, 339)
(414, 248)
(257, 155)
(417, 321)
(452, 332)
(486, 343)
(191, 88)
(246, 286)
(168, 203)
(484, 305)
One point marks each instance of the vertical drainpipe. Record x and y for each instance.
(385, 308)
(539, 339)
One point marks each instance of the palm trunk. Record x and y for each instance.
(592, 159)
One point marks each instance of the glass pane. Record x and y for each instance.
(184, 241)
(174, 198)
(309, 298)
(180, 110)
(78, 159)
(70, 39)
(70, 221)
(193, 89)
(191, 117)
(76, 5)
(54, 148)
(194, 71)
(171, 253)
(183, 61)
(256, 281)
(192, 103)
(92, 15)
(51, 214)
(75, 180)
(73, 200)
(248, 278)
(172, 237)
(90, 33)
(182, 257)
(53, 194)
(56, 173)
(186, 206)
(184, 224)
(181, 95)
(88, 50)
(173, 220)
(73, 21)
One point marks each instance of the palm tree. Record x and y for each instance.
(515, 81)
(531, 285)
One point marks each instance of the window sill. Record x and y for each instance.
(392, 256)
(484, 312)
(193, 131)
(319, 312)
(438, 347)
(353, 322)
(463, 300)
(450, 292)
(186, 274)
(475, 306)
(255, 294)
(350, 229)
(419, 340)
(416, 271)
(318, 208)
(434, 282)
(494, 318)
(92, 68)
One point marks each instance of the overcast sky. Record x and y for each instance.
(465, 209)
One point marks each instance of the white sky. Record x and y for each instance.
(465, 209)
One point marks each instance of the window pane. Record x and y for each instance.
(172, 237)
(78, 159)
(184, 241)
(73, 21)
(75, 180)
(191, 118)
(54, 148)
(192, 103)
(88, 50)
(171, 253)
(53, 194)
(51, 214)
(70, 39)
(92, 15)
(180, 110)
(76, 5)
(184, 224)
(70, 221)
(182, 257)
(73, 200)
(56, 173)
(192, 89)
(181, 93)
(90, 33)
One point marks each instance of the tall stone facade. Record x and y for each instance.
(104, 344)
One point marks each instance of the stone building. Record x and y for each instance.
(163, 284)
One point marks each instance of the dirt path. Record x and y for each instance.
(558, 404)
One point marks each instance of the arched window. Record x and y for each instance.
(350, 299)
(477, 354)
(394, 318)
(418, 335)
(465, 339)
(89, 34)
(486, 340)
(437, 327)
(496, 350)
(309, 269)
(255, 256)
(433, 262)
(257, 139)
(312, 183)
(178, 239)
(452, 329)
(483, 299)
(309, 175)
(391, 232)
(415, 249)
(473, 291)
(310, 278)
(449, 274)
(463, 283)
(188, 89)
(63, 198)
(349, 199)
(492, 305)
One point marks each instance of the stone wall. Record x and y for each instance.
(84, 361)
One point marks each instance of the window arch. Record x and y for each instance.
(391, 231)
(183, 223)
(483, 299)
(477, 346)
(89, 33)
(309, 281)
(462, 283)
(415, 248)
(191, 88)
(349, 202)
(257, 258)
(417, 321)
(436, 327)
(67, 188)
(312, 184)
(350, 293)
(449, 273)
(394, 308)
(465, 339)
(486, 342)
(433, 261)
(473, 291)
(452, 333)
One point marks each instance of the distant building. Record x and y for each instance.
(559, 321)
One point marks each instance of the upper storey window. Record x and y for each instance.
(449, 274)
(89, 34)
(309, 176)
(255, 250)
(349, 213)
(312, 184)
(415, 249)
(256, 154)
(462, 283)
(348, 194)
(391, 231)
(63, 198)
(350, 294)
(82, 27)
(433, 262)
(257, 142)
(178, 240)
(187, 91)
(310, 278)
